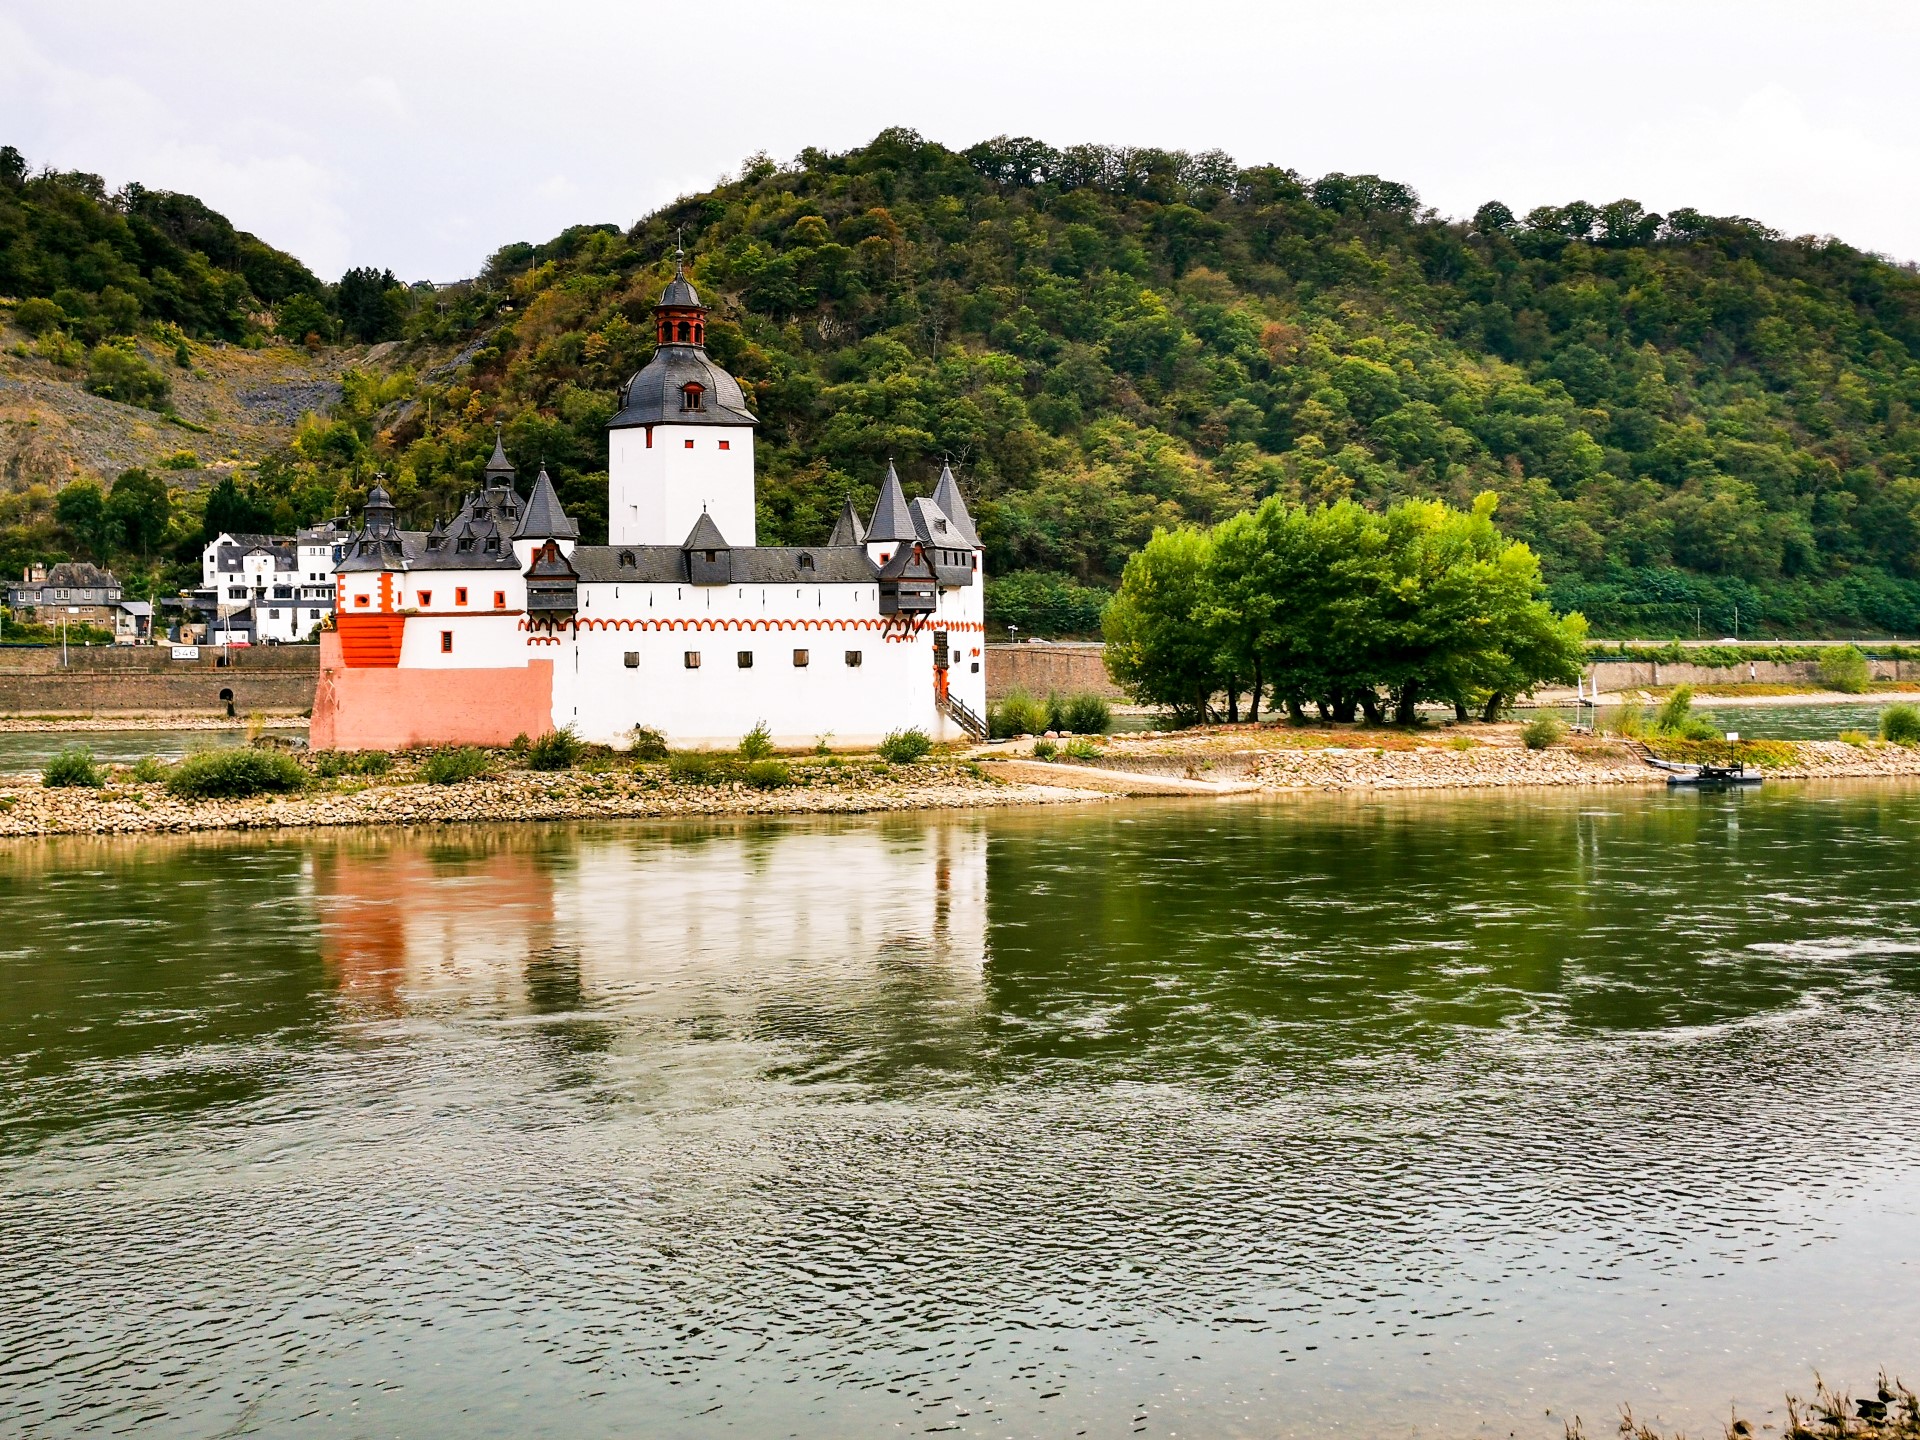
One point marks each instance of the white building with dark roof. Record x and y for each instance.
(256, 589)
(501, 622)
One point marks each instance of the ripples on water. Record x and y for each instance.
(1374, 1116)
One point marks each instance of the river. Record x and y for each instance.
(1368, 1115)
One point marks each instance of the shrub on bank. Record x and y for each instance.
(236, 774)
(648, 744)
(1900, 724)
(701, 767)
(1676, 718)
(1081, 748)
(147, 769)
(331, 764)
(1045, 749)
(1859, 739)
(904, 747)
(1542, 732)
(1018, 714)
(556, 750)
(757, 743)
(767, 774)
(71, 767)
(454, 764)
(1083, 714)
(1845, 669)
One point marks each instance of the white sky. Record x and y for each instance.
(423, 136)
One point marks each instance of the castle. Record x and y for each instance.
(500, 623)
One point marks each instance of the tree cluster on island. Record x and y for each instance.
(1346, 609)
(1685, 415)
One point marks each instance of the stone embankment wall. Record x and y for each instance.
(138, 679)
(1081, 665)
(1614, 675)
(1070, 667)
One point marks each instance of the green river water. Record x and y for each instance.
(1365, 1116)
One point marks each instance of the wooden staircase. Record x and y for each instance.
(959, 712)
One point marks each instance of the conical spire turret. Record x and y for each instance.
(953, 505)
(499, 469)
(544, 518)
(890, 521)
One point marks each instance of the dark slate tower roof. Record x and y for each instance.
(544, 518)
(705, 535)
(890, 518)
(954, 506)
(499, 468)
(658, 393)
(848, 530)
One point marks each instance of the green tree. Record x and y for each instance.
(83, 514)
(117, 373)
(231, 511)
(138, 508)
(1159, 644)
(372, 304)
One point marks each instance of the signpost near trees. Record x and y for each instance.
(1344, 608)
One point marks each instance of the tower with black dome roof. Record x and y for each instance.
(682, 443)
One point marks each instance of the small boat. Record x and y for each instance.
(1703, 776)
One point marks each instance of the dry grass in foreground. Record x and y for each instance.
(1892, 1414)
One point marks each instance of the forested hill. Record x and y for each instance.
(1681, 413)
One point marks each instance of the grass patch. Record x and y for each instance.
(767, 774)
(331, 764)
(236, 774)
(1767, 754)
(147, 769)
(702, 767)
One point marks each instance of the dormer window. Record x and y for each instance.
(626, 559)
(806, 562)
(464, 543)
(691, 393)
(493, 542)
(708, 555)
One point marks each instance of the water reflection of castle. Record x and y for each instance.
(733, 909)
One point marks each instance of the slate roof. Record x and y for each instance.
(488, 517)
(544, 518)
(653, 396)
(947, 496)
(679, 294)
(890, 518)
(705, 535)
(756, 565)
(848, 530)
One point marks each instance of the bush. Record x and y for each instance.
(1629, 721)
(119, 374)
(767, 774)
(648, 744)
(147, 769)
(1858, 738)
(903, 747)
(37, 316)
(1463, 742)
(1900, 724)
(518, 745)
(1084, 714)
(556, 750)
(701, 767)
(1018, 714)
(1081, 748)
(1845, 669)
(757, 743)
(1542, 732)
(1671, 717)
(235, 774)
(451, 766)
(1045, 749)
(72, 766)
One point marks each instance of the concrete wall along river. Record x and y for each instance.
(140, 679)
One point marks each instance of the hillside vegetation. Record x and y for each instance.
(1682, 414)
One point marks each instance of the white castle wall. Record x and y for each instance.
(660, 477)
(714, 704)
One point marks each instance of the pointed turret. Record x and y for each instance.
(848, 530)
(708, 557)
(954, 506)
(380, 511)
(890, 522)
(499, 469)
(544, 518)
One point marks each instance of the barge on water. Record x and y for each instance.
(1705, 775)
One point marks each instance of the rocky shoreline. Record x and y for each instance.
(126, 807)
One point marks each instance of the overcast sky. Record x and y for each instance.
(423, 136)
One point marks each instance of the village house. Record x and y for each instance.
(80, 593)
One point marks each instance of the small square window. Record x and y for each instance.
(693, 659)
(853, 658)
(446, 642)
(426, 597)
(360, 600)
(633, 660)
(689, 444)
(726, 444)
(459, 594)
(976, 667)
(499, 599)
(746, 659)
(800, 659)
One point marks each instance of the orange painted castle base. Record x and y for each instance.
(394, 709)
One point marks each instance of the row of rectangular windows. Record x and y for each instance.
(742, 658)
(425, 597)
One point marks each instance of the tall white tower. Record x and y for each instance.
(682, 444)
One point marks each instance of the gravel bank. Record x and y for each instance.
(126, 808)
